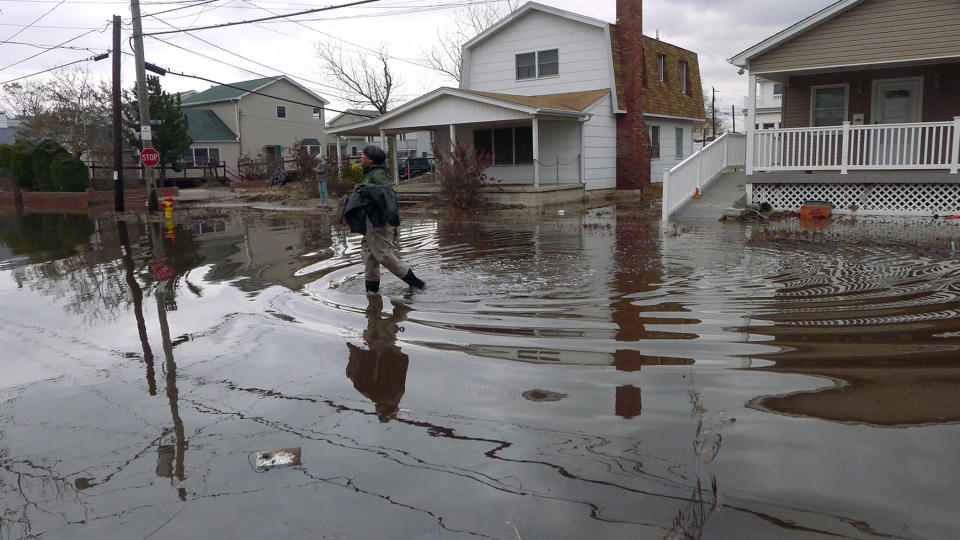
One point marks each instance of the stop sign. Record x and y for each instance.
(150, 157)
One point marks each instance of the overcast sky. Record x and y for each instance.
(715, 29)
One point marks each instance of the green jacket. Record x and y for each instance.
(376, 174)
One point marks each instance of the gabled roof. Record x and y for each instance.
(205, 125)
(359, 114)
(564, 104)
(742, 59)
(239, 90)
(523, 10)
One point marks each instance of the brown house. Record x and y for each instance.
(871, 99)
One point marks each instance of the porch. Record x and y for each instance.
(533, 141)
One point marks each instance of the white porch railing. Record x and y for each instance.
(927, 145)
(681, 182)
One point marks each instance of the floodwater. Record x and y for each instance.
(590, 375)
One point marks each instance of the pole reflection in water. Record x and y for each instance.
(379, 372)
(136, 293)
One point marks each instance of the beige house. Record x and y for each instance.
(870, 109)
(265, 116)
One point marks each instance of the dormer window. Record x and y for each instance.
(535, 65)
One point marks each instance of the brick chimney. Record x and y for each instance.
(633, 140)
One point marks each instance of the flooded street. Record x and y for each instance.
(590, 375)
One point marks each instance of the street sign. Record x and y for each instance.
(146, 134)
(161, 270)
(150, 157)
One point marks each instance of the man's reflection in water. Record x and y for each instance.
(379, 372)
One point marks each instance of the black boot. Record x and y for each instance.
(413, 280)
(373, 286)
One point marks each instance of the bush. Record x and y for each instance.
(6, 152)
(68, 173)
(461, 174)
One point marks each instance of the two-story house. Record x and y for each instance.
(255, 118)
(558, 99)
(768, 103)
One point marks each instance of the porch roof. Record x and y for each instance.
(458, 106)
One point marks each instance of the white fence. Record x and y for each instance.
(928, 145)
(681, 182)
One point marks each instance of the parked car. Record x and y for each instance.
(413, 167)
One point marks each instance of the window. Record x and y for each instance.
(526, 66)
(201, 156)
(643, 68)
(678, 143)
(655, 142)
(433, 137)
(313, 149)
(353, 150)
(828, 105)
(662, 67)
(506, 146)
(539, 64)
(769, 125)
(281, 111)
(318, 113)
(682, 65)
(778, 89)
(548, 63)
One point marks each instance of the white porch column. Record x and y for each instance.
(339, 159)
(394, 165)
(751, 119)
(453, 137)
(536, 152)
(955, 163)
(583, 151)
(844, 147)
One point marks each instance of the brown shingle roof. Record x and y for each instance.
(567, 101)
(663, 98)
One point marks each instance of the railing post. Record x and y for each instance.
(844, 147)
(955, 158)
(665, 197)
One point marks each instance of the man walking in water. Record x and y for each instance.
(372, 211)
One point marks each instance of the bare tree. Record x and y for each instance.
(71, 108)
(462, 26)
(361, 80)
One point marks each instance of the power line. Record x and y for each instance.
(52, 48)
(32, 23)
(88, 59)
(197, 4)
(224, 25)
(39, 46)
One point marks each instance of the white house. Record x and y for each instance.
(416, 144)
(554, 98)
(769, 101)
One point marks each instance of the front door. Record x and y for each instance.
(896, 101)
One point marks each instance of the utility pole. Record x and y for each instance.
(713, 109)
(117, 142)
(153, 203)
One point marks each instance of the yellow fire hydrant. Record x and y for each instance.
(167, 205)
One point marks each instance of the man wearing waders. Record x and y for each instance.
(372, 211)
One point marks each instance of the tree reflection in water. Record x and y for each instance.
(379, 372)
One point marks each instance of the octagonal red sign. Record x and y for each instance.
(150, 157)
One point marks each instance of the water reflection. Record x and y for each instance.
(379, 371)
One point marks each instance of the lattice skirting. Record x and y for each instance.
(867, 199)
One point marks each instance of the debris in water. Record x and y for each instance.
(285, 457)
(543, 395)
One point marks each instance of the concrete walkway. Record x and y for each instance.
(726, 191)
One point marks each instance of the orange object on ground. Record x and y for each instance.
(814, 211)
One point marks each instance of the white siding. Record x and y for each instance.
(600, 133)
(259, 125)
(559, 151)
(668, 156)
(584, 56)
(446, 110)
